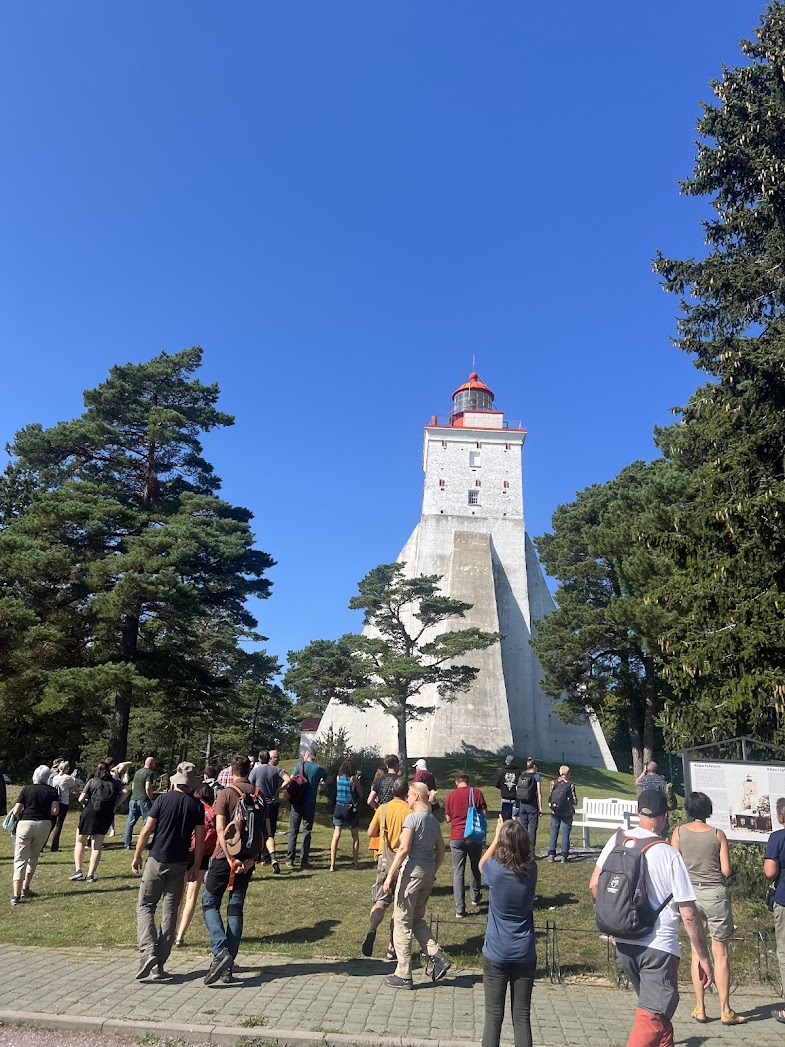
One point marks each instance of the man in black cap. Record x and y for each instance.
(177, 818)
(652, 961)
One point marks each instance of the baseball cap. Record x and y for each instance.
(652, 803)
(510, 761)
(421, 765)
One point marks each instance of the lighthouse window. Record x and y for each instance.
(474, 496)
(474, 459)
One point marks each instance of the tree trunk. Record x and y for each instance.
(118, 743)
(650, 702)
(403, 754)
(208, 752)
(634, 732)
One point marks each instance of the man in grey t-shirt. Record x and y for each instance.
(269, 780)
(420, 853)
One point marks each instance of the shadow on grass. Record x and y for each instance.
(313, 933)
(555, 901)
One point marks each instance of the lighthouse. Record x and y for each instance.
(472, 533)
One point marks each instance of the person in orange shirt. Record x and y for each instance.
(393, 812)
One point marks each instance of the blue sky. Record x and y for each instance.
(343, 203)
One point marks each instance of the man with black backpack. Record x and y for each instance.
(506, 783)
(303, 806)
(528, 793)
(241, 826)
(562, 801)
(641, 887)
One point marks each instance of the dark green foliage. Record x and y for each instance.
(124, 575)
(391, 664)
(723, 645)
(598, 647)
(748, 882)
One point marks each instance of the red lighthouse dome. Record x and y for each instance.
(473, 395)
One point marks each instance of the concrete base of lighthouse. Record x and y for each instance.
(494, 568)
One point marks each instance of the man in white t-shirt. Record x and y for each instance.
(652, 962)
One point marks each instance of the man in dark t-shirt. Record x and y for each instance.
(383, 789)
(303, 812)
(141, 799)
(506, 783)
(269, 780)
(177, 818)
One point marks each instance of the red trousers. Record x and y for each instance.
(650, 1030)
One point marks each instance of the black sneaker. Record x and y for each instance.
(228, 978)
(367, 945)
(218, 966)
(441, 966)
(78, 875)
(394, 982)
(160, 975)
(16, 901)
(146, 964)
(27, 893)
(277, 868)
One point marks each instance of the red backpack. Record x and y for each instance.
(210, 835)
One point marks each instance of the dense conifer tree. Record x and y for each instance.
(119, 561)
(724, 646)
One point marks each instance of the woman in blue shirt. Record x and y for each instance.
(508, 955)
(347, 811)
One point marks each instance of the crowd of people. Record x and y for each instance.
(209, 832)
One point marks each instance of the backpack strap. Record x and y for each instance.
(238, 790)
(644, 849)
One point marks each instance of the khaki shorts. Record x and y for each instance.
(714, 908)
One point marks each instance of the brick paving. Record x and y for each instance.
(311, 999)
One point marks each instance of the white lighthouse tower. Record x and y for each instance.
(472, 533)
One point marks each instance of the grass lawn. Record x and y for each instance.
(318, 913)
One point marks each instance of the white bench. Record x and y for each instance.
(602, 813)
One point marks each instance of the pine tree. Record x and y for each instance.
(598, 648)
(398, 656)
(123, 546)
(724, 649)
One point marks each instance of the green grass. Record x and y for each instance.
(315, 913)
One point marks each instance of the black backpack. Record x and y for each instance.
(526, 789)
(560, 801)
(622, 908)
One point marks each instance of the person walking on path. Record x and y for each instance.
(175, 817)
(205, 795)
(562, 801)
(773, 867)
(706, 855)
(381, 791)
(456, 810)
(508, 953)
(506, 782)
(420, 853)
(652, 962)
(226, 873)
(269, 779)
(141, 799)
(65, 783)
(386, 824)
(529, 794)
(35, 807)
(346, 814)
(303, 811)
(101, 795)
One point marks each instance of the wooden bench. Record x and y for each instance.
(602, 813)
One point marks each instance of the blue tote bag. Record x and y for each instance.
(476, 825)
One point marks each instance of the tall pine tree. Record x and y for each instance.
(119, 545)
(724, 649)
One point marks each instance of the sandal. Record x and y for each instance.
(731, 1018)
(779, 1016)
(391, 955)
(699, 1016)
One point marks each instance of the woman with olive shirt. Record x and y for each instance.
(508, 955)
(35, 808)
(706, 855)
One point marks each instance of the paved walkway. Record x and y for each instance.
(299, 1002)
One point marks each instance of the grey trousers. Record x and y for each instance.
(461, 850)
(160, 883)
(779, 938)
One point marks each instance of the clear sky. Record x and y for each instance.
(343, 202)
